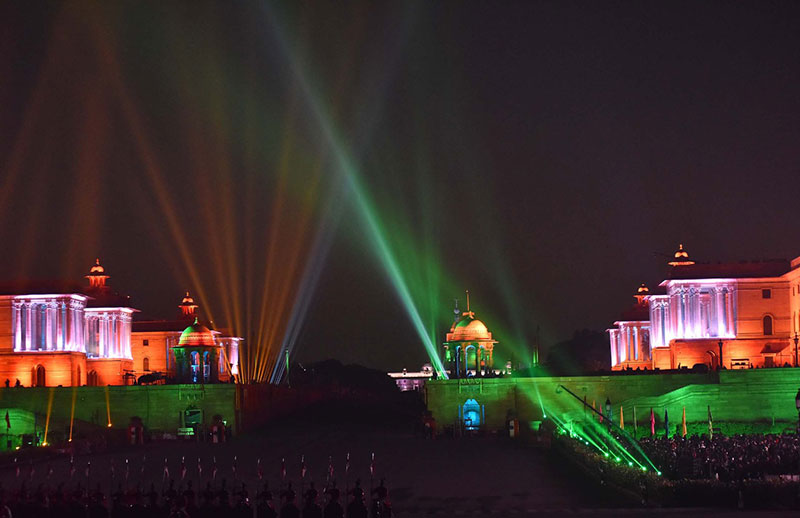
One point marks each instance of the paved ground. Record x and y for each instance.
(465, 477)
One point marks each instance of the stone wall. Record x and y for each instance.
(734, 395)
(159, 406)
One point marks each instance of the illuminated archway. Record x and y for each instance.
(472, 415)
(39, 377)
(91, 378)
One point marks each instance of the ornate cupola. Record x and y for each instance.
(188, 307)
(97, 276)
(197, 355)
(642, 292)
(469, 349)
(681, 257)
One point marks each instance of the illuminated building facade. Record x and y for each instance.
(738, 315)
(469, 349)
(63, 334)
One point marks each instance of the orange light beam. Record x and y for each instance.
(72, 411)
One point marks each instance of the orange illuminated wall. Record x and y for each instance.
(109, 371)
(157, 351)
(60, 368)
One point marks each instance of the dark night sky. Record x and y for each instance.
(560, 147)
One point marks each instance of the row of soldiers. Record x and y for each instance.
(185, 502)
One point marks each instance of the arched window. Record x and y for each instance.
(146, 364)
(78, 383)
(91, 378)
(767, 325)
(38, 376)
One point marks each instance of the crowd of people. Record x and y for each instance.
(186, 502)
(726, 458)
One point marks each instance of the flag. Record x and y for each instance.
(302, 466)
(652, 423)
(199, 468)
(8, 421)
(233, 466)
(283, 469)
(683, 422)
(183, 468)
(710, 424)
(259, 470)
(666, 423)
(621, 418)
(635, 424)
(372, 465)
(214, 467)
(166, 469)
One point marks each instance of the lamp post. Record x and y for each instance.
(719, 367)
(796, 339)
(797, 405)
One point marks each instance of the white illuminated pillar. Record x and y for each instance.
(18, 326)
(612, 335)
(27, 326)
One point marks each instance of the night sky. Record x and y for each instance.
(549, 155)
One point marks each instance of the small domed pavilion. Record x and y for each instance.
(197, 355)
(469, 348)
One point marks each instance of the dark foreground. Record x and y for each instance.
(475, 476)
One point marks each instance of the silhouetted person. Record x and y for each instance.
(289, 508)
(357, 508)
(310, 507)
(380, 505)
(265, 508)
(333, 509)
(17, 383)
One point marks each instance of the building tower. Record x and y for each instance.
(469, 349)
(188, 307)
(97, 276)
(196, 355)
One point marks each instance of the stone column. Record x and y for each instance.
(18, 326)
(27, 346)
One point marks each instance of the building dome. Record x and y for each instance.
(470, 328)
(681, 257)
(197, 335)
(187, 300)
(643, 289)
(97, 268)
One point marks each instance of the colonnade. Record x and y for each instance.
(630, 341)
(65, 324)
(48, 324)
(693, 311)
